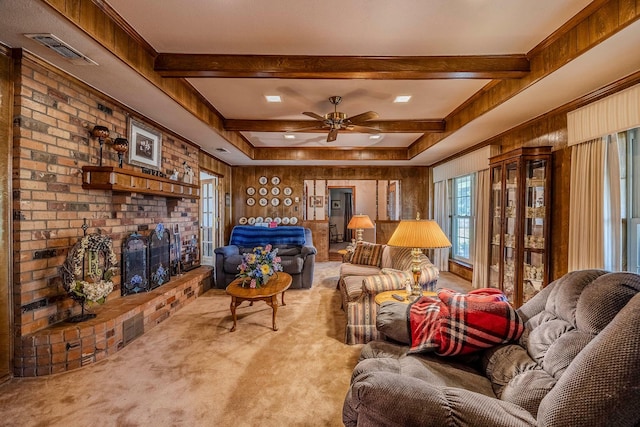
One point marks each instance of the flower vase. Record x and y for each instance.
(82, 317)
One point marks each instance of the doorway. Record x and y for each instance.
(210, 217)
(340, 206)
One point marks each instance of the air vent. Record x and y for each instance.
(222, 150)
(61, 48)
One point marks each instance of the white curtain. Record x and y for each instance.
(480, 248)
(594, 206)
(442, 209)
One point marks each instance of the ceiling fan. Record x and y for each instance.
(337, 120)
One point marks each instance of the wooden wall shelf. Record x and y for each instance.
(128, 181)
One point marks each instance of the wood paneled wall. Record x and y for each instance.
(415, 191)
(6, 98)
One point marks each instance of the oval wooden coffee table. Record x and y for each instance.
(268, 293)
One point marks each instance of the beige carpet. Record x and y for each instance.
(191, 371)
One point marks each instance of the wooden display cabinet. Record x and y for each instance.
(519, 222)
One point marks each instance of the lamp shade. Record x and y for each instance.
(360, 221)
(419, 233)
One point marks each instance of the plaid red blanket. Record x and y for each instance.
(456, 323)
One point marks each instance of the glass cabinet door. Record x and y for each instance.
(535, 227)
(510, 230)
(495, 225)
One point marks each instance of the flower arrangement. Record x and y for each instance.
(259, 265)
(93, 292)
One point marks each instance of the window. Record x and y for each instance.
(630, 198)
(462, 217)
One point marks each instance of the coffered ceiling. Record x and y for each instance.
(234, 53)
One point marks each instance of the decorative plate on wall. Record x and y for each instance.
(251, 191)
(275, 191)
(251, 201)
(275, 180)
(293, 220)
(287, 191)
(263, 180)
(287, 201)
(277, 220)
(263, 191)
(285, 220)
(252, 220)
(275, 201)
(242, 221)
(264, 202)
(259, 220)
(268, 220)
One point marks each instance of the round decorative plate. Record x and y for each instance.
(259, 220)
(242, 221)
(277, 220)
(287, 201)
(293, 220)
(251, 201)
(275, 180)
(263, 180)
(263, 191)
(251, 191)
(252, 220)
(287, 191)
(275, 191)
(268, 220)
(285, 220)
(264, 202)
(275, 201)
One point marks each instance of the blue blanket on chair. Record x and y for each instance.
(251, 236)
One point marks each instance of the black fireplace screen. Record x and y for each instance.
(159, 256)
(135, 265)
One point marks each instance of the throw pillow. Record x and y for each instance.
(367, 254)
(456, 323)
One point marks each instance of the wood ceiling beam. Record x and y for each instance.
(343, 67)
(385, 126)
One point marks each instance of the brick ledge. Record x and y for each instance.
(66, 346)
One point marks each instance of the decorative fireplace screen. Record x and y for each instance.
(149, 261)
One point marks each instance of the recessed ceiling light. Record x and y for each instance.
(289, 136)
(402, 98)
(273, 98)
(375, 136)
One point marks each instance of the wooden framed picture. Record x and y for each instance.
(145, 145)
(316, 201)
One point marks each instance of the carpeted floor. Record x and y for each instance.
(191, 371)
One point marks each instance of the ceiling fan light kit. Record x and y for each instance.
(337, 120)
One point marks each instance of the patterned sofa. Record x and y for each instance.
(373, 269)
(576, 364)
(295, 248)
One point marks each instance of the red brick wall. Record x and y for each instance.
(53, 114)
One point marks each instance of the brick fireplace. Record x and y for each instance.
(53, 116)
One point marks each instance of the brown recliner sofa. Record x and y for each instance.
(576, 364)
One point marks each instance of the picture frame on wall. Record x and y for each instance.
(145, 145)
(335, 204)
(316, 201)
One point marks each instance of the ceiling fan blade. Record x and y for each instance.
(363, 129)
(314, 115)
(333, 134)
(369, 115)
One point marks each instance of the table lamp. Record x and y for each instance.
(359, 223)
(418, 234)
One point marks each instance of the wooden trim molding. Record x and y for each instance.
(385, 126)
